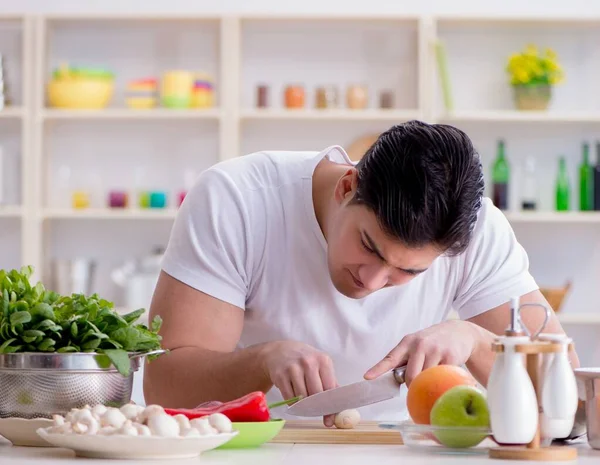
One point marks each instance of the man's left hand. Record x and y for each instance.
(448, 343)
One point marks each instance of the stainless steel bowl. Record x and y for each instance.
(588, 383)
(38, 385)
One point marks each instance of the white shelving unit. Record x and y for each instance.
(16, 39)
(244, 51)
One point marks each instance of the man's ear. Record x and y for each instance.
(346, 186)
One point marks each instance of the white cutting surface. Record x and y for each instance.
(277, 454)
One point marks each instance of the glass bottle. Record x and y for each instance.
(586, 181)
(597, 179)
(500, 178)
(529, 198)
(562, 186)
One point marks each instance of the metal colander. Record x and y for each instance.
(37, 385)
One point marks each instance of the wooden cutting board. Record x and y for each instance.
(314, 432)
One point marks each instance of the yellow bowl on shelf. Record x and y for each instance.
(80, 88)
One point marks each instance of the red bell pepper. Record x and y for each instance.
(249, 408)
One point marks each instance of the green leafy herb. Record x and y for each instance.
(34, 319)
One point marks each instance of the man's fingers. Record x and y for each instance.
(297, 379)
(328, 420)
(395, 358)
(414, 366)
(285, 387)
(313, 381)
(431, 360)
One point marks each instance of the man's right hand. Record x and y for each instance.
(298, 369)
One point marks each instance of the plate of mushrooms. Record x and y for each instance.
(136, 432)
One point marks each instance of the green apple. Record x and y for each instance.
(460, 406)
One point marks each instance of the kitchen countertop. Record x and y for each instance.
(276, 454)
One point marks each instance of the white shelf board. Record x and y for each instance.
(565, 318)
(330, 114)
(131, 114)
(11, 112)
(110, 214)
(10, 211)
(520, 116)
(554, 217)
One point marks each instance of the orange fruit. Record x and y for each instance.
(431, 384)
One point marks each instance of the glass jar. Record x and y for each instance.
(357, 97)
(294, 96)
(262, 96)
(386, 99)
(326, 97)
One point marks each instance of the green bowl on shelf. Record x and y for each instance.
(253, 434)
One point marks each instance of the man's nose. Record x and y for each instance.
(373, 277)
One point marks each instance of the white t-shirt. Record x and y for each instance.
(247, 234)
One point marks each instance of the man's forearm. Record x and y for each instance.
(188, 376)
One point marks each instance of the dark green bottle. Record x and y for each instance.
(500, 178)
(562, 186)
(586, 181)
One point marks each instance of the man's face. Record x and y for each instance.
(363, 259)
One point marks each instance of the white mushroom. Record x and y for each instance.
(182, 421)
(98, 411)
(80, 428)
(84, 422)
(190, 433)
(59, 420)
(142, 430)
(70, 415)
(149, 411)
(132, 411)
(61, 429)
(347, 419)
(203, 426)
(113, 417)
(107, 430)
(128, 429)
(163, 425)
(220, 422)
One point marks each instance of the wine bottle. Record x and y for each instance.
(500, 178)
(562, 186)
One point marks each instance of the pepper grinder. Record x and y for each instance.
(511, 396)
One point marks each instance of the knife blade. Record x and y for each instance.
(385, 387)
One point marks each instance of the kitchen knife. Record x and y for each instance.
(385, 387)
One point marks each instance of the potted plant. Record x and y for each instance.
(532, 76)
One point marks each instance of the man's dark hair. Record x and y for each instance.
(424, 183)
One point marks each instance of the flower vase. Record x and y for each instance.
(532, 97)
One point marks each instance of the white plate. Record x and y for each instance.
(135, 447)
(23, 432)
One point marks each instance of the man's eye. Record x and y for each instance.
(366, 247)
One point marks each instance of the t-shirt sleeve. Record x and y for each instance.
(208, 246)
(495, 267)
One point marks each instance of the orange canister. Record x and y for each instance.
(357, 97)
(294, 96)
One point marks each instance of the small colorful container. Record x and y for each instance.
(80, 200)
(117, 199)
(176, 89)
(142, 94)
(158, 199)
(203, 91)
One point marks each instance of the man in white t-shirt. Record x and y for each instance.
(295, 272)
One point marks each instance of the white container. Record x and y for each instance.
(511, 397)
(558, 387)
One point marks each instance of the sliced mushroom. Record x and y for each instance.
(203, 426)
(98, 411)
(190, 433)
(59, 420)
(132, 411)
(143, 430)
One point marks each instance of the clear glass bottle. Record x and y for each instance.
(529, 201)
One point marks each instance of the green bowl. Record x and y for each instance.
(253, 434)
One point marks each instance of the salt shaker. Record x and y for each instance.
(559, 397)
(511, 396)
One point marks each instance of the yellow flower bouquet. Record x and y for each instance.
(532, 75)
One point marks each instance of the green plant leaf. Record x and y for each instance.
(120, 359)
(20, 318)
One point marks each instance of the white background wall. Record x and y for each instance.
(557, 252)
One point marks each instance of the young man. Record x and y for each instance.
(295, 272)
